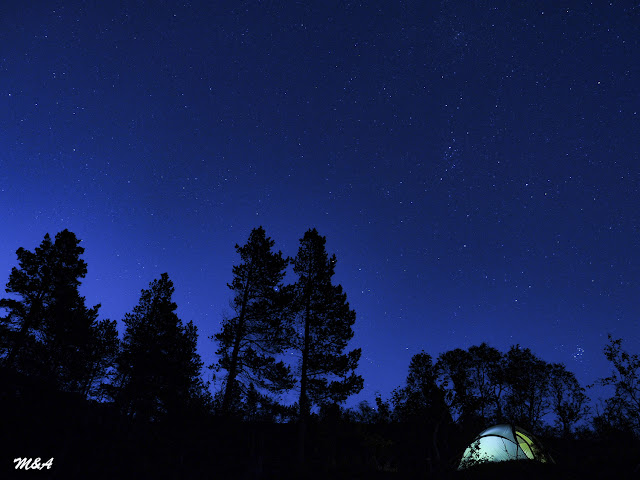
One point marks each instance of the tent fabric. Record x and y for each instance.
(502, 443)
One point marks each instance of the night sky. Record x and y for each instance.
(475, 166)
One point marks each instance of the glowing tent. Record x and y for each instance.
(503, 443)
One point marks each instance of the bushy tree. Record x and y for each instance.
(421, 409)
(361, 413)
(384, 412)
(421, 400)
(453, 372)
(473, 381)
(364, 412)
(567, 398)
(622, 410)
(251, 339)
(487, 381)
(483, 386)
(527, 388)
(159, 368)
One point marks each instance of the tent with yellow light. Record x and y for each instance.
(502, 443)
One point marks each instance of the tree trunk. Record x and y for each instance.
(233, 369)
(304, 401)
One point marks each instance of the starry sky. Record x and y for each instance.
(474, 165)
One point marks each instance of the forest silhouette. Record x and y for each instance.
(137, 406)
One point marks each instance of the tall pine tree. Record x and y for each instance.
(31, 281)
(251, 339)
(159, 368)
(325, 321)
(49, 331)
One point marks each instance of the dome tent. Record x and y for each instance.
(503, 443)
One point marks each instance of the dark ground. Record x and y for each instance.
(92, 441)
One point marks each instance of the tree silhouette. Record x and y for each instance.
(527, 381)
(487, 381)
(261, 407)
(474, 384)
(102, 356)
(384, 410)
(421, 399)
(421, 408)
(324, 329)
(49, 330)
(250, 341)
(32, 282)
(454, 369)
(622, 410)
(159, 368)
(483, 386)
(567, 397)
(361, 413)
